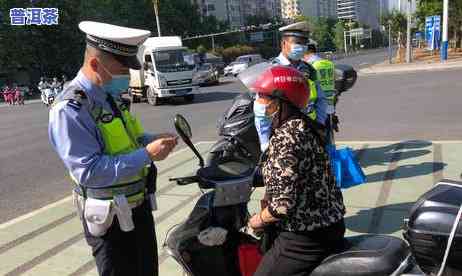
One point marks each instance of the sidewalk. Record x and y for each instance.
(384, 68)
(49, 241)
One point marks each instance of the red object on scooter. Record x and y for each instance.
(249, 258)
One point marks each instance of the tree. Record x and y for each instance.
(435, 7)
(322, 31)
(57, 49)
(339, 35)
(398, 24)
(182, 18)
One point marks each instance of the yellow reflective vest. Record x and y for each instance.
(313, 99)
(120, 136)
(326, 74)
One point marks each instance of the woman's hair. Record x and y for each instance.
(286, 111)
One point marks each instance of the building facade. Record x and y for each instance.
(290, 9)
(318, 8)
(236, 11)
(364, 11)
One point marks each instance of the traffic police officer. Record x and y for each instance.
(325, 70)
(107, 154)
(293, 46)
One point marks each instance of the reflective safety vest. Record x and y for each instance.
(326, 74)
(313, 99)
(325, 71)
(120, 135)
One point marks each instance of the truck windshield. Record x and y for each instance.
(171, 61)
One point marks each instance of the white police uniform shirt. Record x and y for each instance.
(75, 137)
(320, 105)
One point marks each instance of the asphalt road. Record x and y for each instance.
(389, 107)
(364, 60)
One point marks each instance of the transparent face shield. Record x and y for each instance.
(259, 72)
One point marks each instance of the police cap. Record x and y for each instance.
(299, 29)
(121, 42)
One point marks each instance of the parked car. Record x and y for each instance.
(243, 62)
(206, 74)
(229, 69)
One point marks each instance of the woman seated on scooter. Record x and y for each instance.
(304, 204)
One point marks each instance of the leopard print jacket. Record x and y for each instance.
(298, 179)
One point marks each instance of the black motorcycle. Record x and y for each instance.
(237, 129)
(431, 229)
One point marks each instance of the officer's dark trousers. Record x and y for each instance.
(132, 253)
(298, 254)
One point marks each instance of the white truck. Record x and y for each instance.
(163, 73)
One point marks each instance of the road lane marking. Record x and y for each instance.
(28, 236)
(44, 256)
(58, 248)
(87, 267)
(163, 255)
(377, 214)
(31, 235)
(437, 161)
(34, 213)
(69, 198)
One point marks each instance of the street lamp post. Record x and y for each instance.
(408, 42)
(444, 44)
(389, 43)
(156, 11)
(345, 42)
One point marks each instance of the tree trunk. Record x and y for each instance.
(460, 41)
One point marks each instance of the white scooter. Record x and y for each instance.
(48, 95)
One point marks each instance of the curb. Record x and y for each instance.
(409, 68)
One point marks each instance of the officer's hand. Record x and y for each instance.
(165, 135)
(159, 149)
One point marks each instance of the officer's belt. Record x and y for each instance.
(108, 193)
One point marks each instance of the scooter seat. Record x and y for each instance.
(365, 255)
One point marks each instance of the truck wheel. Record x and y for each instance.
(189, 98)
(152, 97)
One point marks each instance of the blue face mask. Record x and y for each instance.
(297, 51)
(117, 84)
(263, 124)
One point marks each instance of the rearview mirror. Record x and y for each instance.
(184, 130)
(182, 126)
(345, 77)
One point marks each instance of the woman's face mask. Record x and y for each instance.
(263, 121)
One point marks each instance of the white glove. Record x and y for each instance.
(212, 236)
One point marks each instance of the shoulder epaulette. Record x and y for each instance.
(74, 104)
(76, 100)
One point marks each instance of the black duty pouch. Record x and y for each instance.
(151, 186)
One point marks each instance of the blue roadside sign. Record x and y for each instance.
(433, 31)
